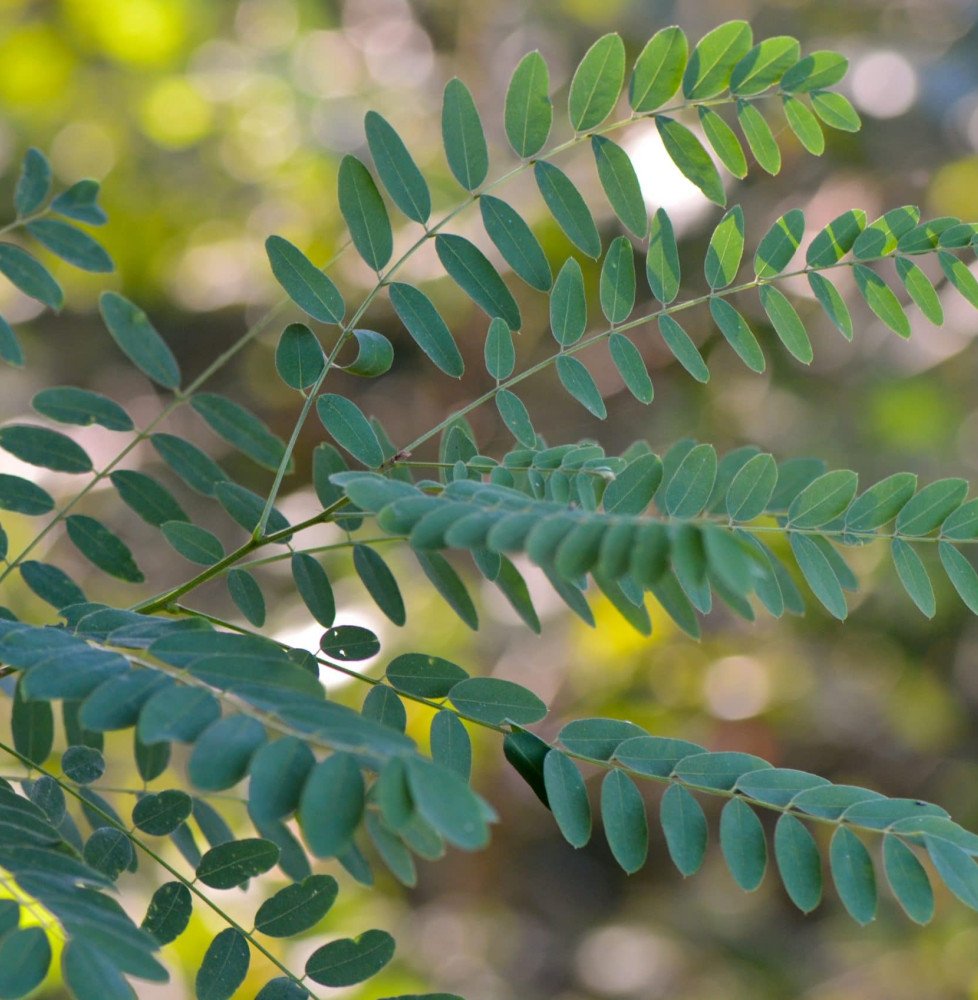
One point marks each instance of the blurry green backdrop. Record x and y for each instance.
(213, 124)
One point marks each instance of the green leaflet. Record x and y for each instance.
(961, 574)
(822, 500)
(578, 381)
(228, 865)
(725, 250)
(631, 491)
(568, 305)
(79, 202)
(515, 240)
(819, 574)
(880, 298)
(23, 497)
(514, 589)
(314, 588)
(836, 239)
(51, 584)
(197, 469)
(427, 328)
(920, 289)
(881, 502)
(69, 405)
(33, 183)
(815, 71)
(959, 275)
(245, 507)
(347, 961)
(25, 956)
(331, 805)
(693, 161)
(724, 141)
(743, 845)
(654, 756)
(882, 235)
(82, 764)
(568, 207)
(927, 235)
(305, 283)
(161, 813)
(777, 785)
(658, 70)
(45, 448)
(631, 366)
(447, 804)
(32, 726)
(597, 83)
(449, 584)
(930, 506)
(620, 184)
(527, 754)
(350, 428)
(10, 350)
(169, 912)
(463, 137)
(529, 111)
(240, 428)
(779, 244)
(297, 908)
(423, 676)
(177, 713)
(516, 417)
(751, 488)
(224, 966)
(398, 171)
(962, 523)
(598, 738)
(450, 743)
(764, 65)
(349, 642)
(365, 213)
(908, 880)
(567, 796)
(684, 826)
(805, 125)
(138, 340)
(799, 862)
(299, 357)
(737, 333)
(495, 701)
(662, 262)
(759, 137)
(719, 771)
(471, 270)
(28, 274)
(956, 868)
(683, 349)
(832, 302)
(193, 542)
(786, 322)
(913, 576)
(852, 872)
(835, 110)
(221, 756)
(687, 491)
(71, 244)
(713, 59)
(626, 826)
(109, 851)
(500, 354)
(103, 548)
(380, 582)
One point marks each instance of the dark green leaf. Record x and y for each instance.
(683, 349)
(931, 505)
(305, 283)
(228, 865)
(835, 110)
(299, 357)
(527, 753)
(662, 263)
(71, 244)
(32, 725)
(832, 801)
(471, 270)
(693, 161)
(568, 798)
(822, 500)
(79, 202)
(349, 642)
(25, 956)
(777, 785)
(314, 588)
(27, 273)
(908, 880)
(834, 241)
(688, 490)
(500, 354)
(913, 576)
(23, 497)
(568, 207)
(365, 213)
(193, 466)
(529, 111)
(920, 288)
(631, 366)
(819, 574)
(331, 806)
(138, 340)
(516, 242)
(51, 584)
(193, 542)
(832, 302)
(805, 125)
(463, 137)
(579, 382)
(815, 71)
(743, 845)
(101, 547)
(161, 813)
(350, 960)
(759, 137)
(33, 184)
(764, 65)
(240, 428)
(658, 70)
(713, 59)
(786, 322)
(222, 754)
(224, 966)
(617, 285)
(282, 988)
(169, 912)
(597, 83)
(380, 582)
(751, 488)
(961, 574)
(350, 428)
(10, 349)
(684, 826)
(69, 405)
(620, 184)
(726, 249)
(568, 305)
(625, 824)
(398, 171)
(495, 701)
(44, 447)
(448, 583)
(956, 868)
(423, 676)
(852, 872)
(881, 502)
(297, 908)
(963, 523)
(446, 803)
(108, 851)
(654, 756)
(880, 298)
(719, 771)
(177, 713)
(450, 743)
(246, 593)
(426, 327)
(737, 333)
(724, 141)
(375, 354)
(278, 772)
(799, 862)
(82, 764)
(779, 244)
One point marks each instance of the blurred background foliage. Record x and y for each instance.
(214, 124)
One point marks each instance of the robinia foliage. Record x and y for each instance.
(326, 784)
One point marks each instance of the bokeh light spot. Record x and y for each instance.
(884, 84)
